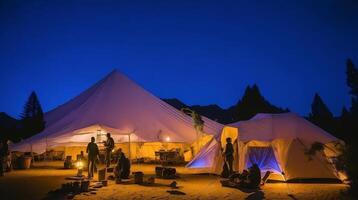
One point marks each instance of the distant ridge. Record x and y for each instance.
(248, 106)
(212, 111)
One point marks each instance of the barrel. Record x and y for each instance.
(24, 162)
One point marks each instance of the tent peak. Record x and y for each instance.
(116, 74)
(115, 71)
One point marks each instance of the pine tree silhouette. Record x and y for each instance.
(343, 124)
(349, 122)
(352, 82)
(32, 117)
(319, 108)
(321, 115)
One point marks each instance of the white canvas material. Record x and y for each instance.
(289, 136)
(117, 105)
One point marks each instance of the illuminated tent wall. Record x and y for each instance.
(277, 143)
(117, 105)
(210, 159)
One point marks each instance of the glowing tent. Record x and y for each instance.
(117, 105)
(277, 143)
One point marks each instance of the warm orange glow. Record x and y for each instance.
(79, 165)
(167, 139)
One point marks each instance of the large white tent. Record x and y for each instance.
(117, 105)
(277, 143)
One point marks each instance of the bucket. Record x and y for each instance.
(159, 172)
(138, 177)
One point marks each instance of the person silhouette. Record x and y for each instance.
(109, 144)
(229, 154)
(93, 154)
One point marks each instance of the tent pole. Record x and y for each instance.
(129, 147)
(197, 141)
(46, 149)
(289, 193)
(32, 155)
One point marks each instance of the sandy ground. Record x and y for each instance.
(36, 183)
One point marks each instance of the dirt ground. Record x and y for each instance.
(37, 182)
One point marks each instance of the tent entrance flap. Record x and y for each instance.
(264, 157)
(228, 132)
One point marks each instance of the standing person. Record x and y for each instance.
(93, 153)
(109, 144)
(4, 152)
(229, 154)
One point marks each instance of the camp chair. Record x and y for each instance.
(265, 178)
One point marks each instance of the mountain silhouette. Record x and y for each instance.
(248, 106)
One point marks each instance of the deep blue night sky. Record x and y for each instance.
(201, 52)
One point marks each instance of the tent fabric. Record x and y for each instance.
(286, 137)
(228, 132)
(210, 156)
(207, 157)
(119, 105)
(291, 159)
(264, 157)
(268, 127)
(298, 165)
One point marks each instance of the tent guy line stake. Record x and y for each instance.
(289, 193)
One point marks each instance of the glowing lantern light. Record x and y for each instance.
(79, 165)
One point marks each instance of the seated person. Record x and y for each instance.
(253, 178)
(237, 177)
(255, 175)
(122, 169)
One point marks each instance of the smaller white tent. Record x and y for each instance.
(277, 143)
